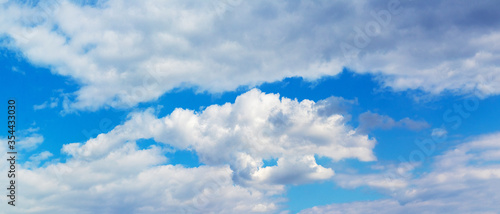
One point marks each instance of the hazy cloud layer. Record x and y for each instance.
(369, 121)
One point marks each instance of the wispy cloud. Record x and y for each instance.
(30, 139)
(54, 102)
(465, 179)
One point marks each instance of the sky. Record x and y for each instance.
(233, 106)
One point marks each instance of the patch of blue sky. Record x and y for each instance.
(270, 162)
(318, 194)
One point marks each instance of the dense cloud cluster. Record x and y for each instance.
(232, 142)
(123, 53)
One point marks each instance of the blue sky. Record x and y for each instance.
(253, 107)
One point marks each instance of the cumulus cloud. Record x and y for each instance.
(369, 121)
(256, 127)
(295, 171)
(465, 179)
(123, 53)
(131, 180)
(110, 173)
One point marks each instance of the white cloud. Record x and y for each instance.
(36, 159)
(256, 127)
(123, 52)
(54, 102)
(295, 171)
(373, 180)
(28, 139)
(131, 180)
(465, 179)
(111, 174)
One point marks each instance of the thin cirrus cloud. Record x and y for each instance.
(464, 179)
(54, 102)
(232, 142)
(126, 52)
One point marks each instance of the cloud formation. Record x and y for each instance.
(111, 173)
(465, 179)
(131, 180)
(123, 53)
(256, 127)
(29, 139)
